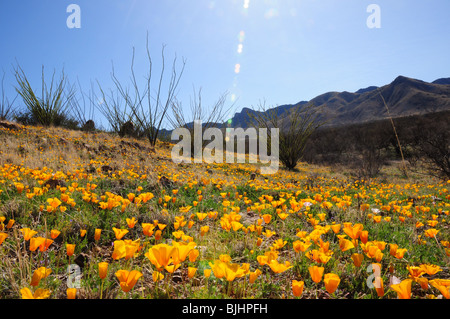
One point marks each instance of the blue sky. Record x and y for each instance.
(291, 50)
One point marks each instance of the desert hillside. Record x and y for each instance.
(136, 225)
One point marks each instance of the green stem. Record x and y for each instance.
(101, 289)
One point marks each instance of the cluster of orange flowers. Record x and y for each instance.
(320, 240)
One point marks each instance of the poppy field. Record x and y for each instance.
(90, 215)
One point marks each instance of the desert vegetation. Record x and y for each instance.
(90, 213)
(368, 147)
(140, 226)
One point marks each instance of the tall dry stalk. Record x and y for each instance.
(396, 136)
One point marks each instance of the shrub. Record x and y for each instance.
(146, 108)
(6, 106)
(52, 107)
(296, 125)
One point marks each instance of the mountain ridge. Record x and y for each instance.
(404, 96)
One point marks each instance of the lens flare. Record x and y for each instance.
(241, 36)
(237, 68)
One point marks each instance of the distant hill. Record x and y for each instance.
(444, 81)
(404, 97)
(368, 89)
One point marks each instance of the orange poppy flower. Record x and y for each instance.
(297, 288)
(423, 282)
(54, 202)
(36, 242)
(181, 251)
(70, 249)
(379, 286)
(345, 245)
(3, 236)
(331, 282)
(131, 196)
(131, 222)
(278, 267)
(201, 216)
(156, 275)
(400, 253)
(403, 289)
(10, 223)
(28, 233)
(191, 272)
(38, 294)
(20, 187)
(374, 252)
(357, 259)
(355, 231)
(267, 258)
(324, 245)
(54, 233)
(233, 271)
(160, 255)
(316, 273)
(147, 229)
(393, 249)
(128, 279)
(300, 246)
(193, 255)
(336, 228)
(125, 248)
(377, 219)
(119, 232)
(443, 286)
(158, 234)
(46, 243)
(204, 230)
(267, 218)
(415, 272)
(268, 233)
(207, 273)
(102, 270)
(431, 233)
(254, 275)
(364, 236)
(71, 293)
(97, 234)
(172, 268)
(39, 274)
(430, 269)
